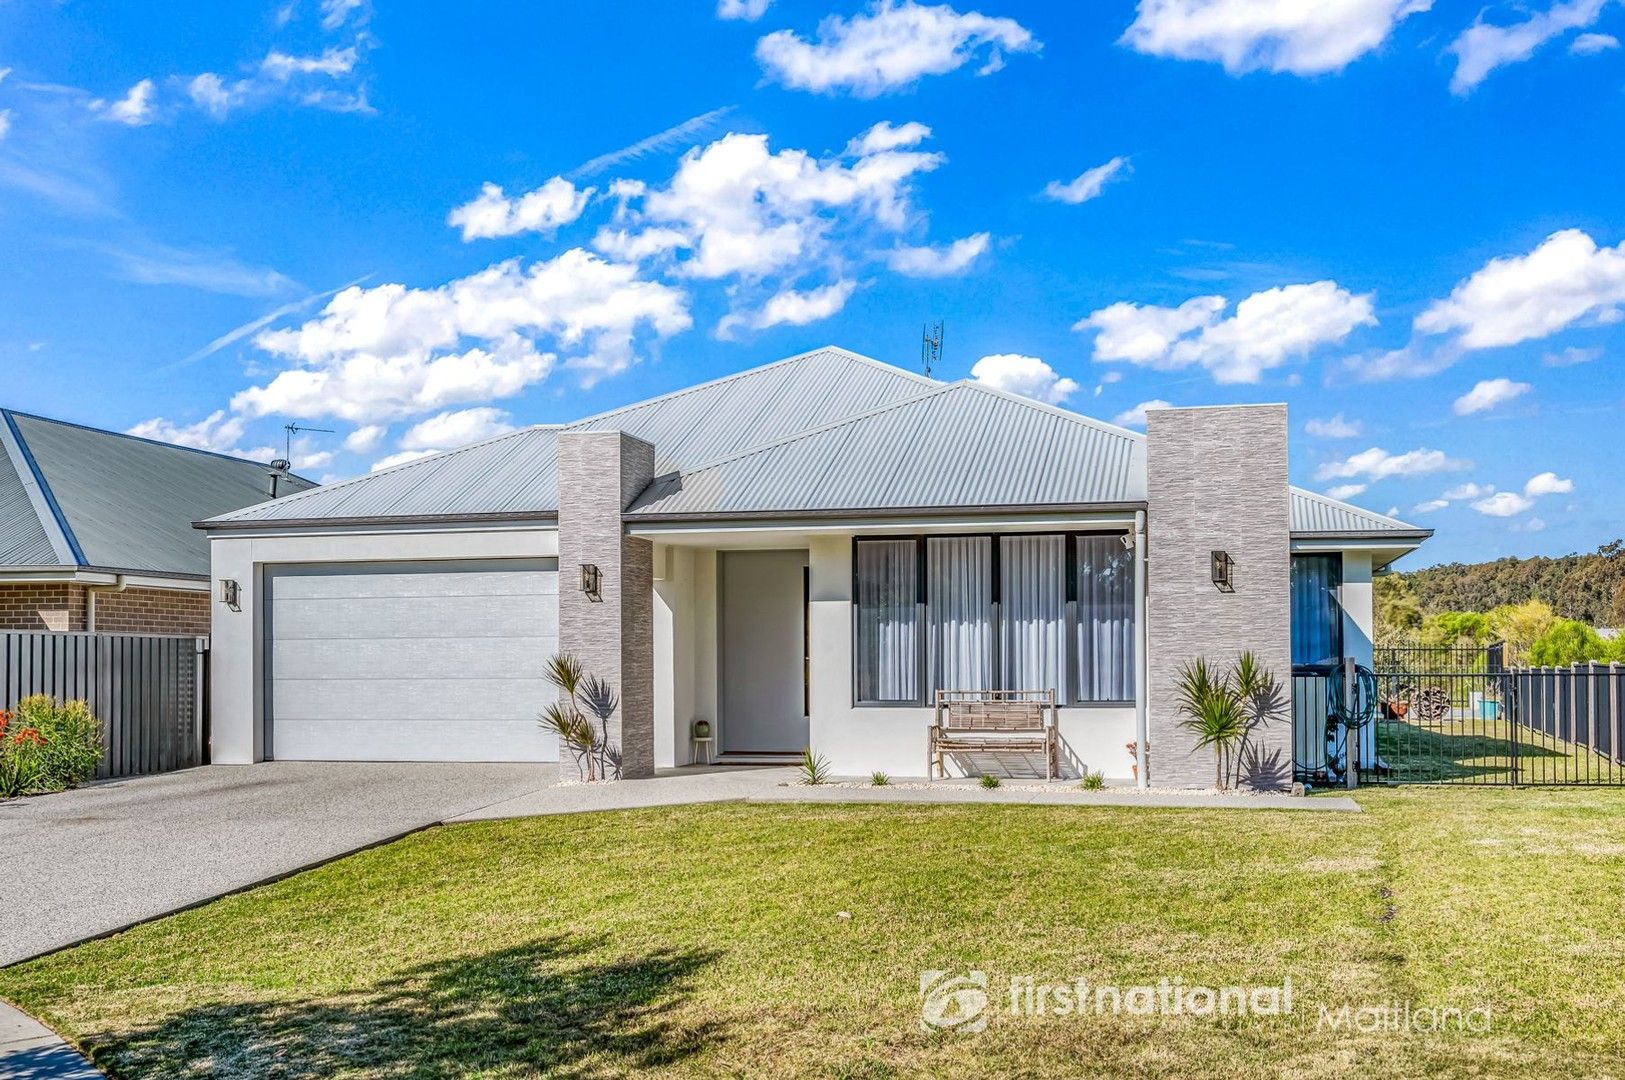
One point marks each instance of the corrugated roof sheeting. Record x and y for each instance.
(129, 502)
(23, 540)
(1313, 513)
(963, 445)
(512, 473)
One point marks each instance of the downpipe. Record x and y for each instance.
(118, 586)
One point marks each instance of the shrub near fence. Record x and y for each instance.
(147, 691)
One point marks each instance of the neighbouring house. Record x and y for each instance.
(96, 527)
(799, 554)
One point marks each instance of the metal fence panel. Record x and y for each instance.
(146, 690)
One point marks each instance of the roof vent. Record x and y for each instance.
(277, 473)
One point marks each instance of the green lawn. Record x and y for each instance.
(710, 940)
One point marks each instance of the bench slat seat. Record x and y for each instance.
(992, 720)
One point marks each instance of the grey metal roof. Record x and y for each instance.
(510, 475)
(1314, 514)
(959, 446)
(120, 502)
(515, 474)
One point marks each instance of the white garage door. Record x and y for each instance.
(433, 661)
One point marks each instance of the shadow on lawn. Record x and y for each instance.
(518, 1011)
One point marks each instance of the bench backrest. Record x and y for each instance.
(997, 710)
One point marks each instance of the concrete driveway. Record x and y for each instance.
(87, 862)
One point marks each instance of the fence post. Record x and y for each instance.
(1617, 751)
(1351, 736)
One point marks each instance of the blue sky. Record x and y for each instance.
(1402, 218)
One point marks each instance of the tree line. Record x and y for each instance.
(1586, 588)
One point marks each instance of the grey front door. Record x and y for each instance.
(764, 651)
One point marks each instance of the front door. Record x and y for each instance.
(764, 652)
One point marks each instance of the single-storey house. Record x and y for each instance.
(96, 527)
(800, 554)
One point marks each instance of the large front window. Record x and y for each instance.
(1317, 609)
(1018, 612)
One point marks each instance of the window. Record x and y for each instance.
(959, 611)
(888, 620)
(1019, 612)
(1317, 609)
(1032, 591)
(1105, 577)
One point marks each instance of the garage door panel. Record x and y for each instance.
(534, 577)
(471, 700)
(458, 617)
(411, 740)
(410, 662)
(389, 658)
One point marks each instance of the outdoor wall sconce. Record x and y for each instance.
(1223, 571)
(230, 594)
(590, 582)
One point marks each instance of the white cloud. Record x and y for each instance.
(748, 10)
(736, 208)
(5, 123)
(133, 109)
(402, 458)
(1468, 490)
(214, 95)
(335, 13)
(150, 263)
(1503, 504)
(885, 136)
(788, 307)
(1489, 393)
(938, 261)
(1345, 491)
(453, 429)
(1135, 417)
(659, 142)
(1087, 185)
(332, 63)
(890, 47)
(1534, 524)
(1547, 483)
(491, 213)
(1482, 47)
(1378, 464)
(382, 353)
(1335, 427)
(1296, 36)
(1518, 298)
(1431, 506)
(1267, 329)
(217, 432)
(1592, 44)
(1025, 375)
(365, 438)
(1571, 357)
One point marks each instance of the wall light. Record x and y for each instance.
(1223, 567)
(230, 594)
(590, 582)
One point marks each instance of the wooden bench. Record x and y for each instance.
(971, 721)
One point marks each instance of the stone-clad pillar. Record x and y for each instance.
(600, 473)
(1217, 480)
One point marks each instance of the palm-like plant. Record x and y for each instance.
(581, 694)
(1222, 707)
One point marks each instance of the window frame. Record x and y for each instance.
(1341, 632)
(1068, 692)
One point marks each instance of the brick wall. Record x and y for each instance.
(42, 605)
(60, 607)
(1217, 480)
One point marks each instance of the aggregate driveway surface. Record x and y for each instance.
(86, 862)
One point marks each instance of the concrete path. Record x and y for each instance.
(31, 1051)
(1064, 794)
(672, 787)
(87, 862)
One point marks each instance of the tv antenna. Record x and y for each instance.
(294, 429)
(930, 346)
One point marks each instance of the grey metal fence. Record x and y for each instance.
(148, 692)
(1582, 705)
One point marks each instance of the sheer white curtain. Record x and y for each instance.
(959, 611)
(1105, 619)
(888, 621)
(1032, 597)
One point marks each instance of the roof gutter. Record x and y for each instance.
(250, 524)
(891, 513)
(120, 583)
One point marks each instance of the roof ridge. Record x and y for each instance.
(785, 440)
(671, 395)
(58, 519)
(400, 467)
(142, 439)
(1345, 505)
(1044, 406)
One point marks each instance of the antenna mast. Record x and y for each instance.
(930, 346)
(293, 429)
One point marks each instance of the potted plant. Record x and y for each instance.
(702, 729)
